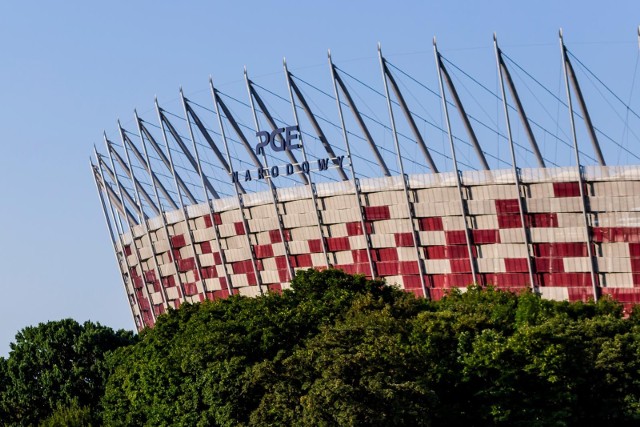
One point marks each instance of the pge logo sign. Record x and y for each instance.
(287, 134)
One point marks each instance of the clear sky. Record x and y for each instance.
(70, 69)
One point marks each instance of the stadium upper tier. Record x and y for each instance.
(196, 213)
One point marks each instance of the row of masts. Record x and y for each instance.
(124, 206)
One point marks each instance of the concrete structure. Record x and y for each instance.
(568, 233)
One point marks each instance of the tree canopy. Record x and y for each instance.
(342, 350)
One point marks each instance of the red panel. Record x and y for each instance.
(239, 226)
(388, 254)
(412, 282)
(455, 237)
(150, 275)
(263, 251)
(387, 268)
(304, 260)
(169, 281)
(216, 217)
(436, 294)
(566, 189)
(566, 279)
(403, 239)
(451, 280)
(516, 265)
(176, 254)
(507, 206)
(482, 237)
(206, 248)
(315, 246)
(127, 250)
(549, 265)
(408, 267)
(274, 236)
(461, 265)
(417, 292)
(616, 234)
(580, 294)
(635, 265)
(375, 213)
(158, 309)
(431, 224)
(281, 262)
(509, 221)
(178, 241)
(507, 280)
(216, 258)
(242, 267)
(275, 287)
(283, 275)
(628, 295)
(355, 228)
(337, 244)
(209, 272)
(360, 255)
(634, 250)
(186, 264)
(190, 289)
(543, 220)
(575, 249)
(448, 252)
(251, 278)
(221, 294)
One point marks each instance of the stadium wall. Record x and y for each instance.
(553, 211)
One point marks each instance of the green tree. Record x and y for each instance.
(57, 364)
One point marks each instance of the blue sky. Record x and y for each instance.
(69, 70)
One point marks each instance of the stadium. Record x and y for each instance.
(232, 194)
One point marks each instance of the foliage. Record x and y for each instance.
(53, 365)
(342, 350)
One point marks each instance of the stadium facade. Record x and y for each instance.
(200, 205)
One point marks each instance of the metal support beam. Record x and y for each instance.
(386, 74)
(119, 260)
(516, 171)
(185, 150)
(583, 196)
(163, 215)
(463, 204)
(405, 179)
(354, 179)
(185, 214)
(214, 224)
(191, 114)
(147, 165)
(504, 71)
(165, 160)
(274, 191)
(583, 105)
(127, 170)
(314, 123)
(119, 186)
(253, 95)
(358, 117)
(442, 71)
(312, 187)
(135, 251)
(145, 224)
(239, 197)
(113, 198)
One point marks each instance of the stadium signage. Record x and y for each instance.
(290, 133)
(281, 140)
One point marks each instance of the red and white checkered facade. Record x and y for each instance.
(558, 237)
